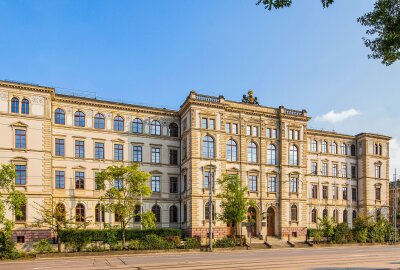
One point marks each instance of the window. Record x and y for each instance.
(325, 169)
(20, 139)
(344, 170)
(353, 172)
(99, 121)
(20, 171)
(59, 117)
(314, 191)
(334, 148)
(79, 149)
(252, 183)
(314, 216)
(354, 194)
(234, 128)
(271, 154)
(60, 147)
(173, 185)
(335, 216)
(296, 134)
(271, 183)
(137, 126)
(15, 105)
(173, 157)
(155, 155)
(268, 132)
(80, 213)
(231, 150)
(99, 213)
(211, 124)
(376, 149)
(137, 212)
(252, 152)
(155, 183)
(291, 134)
(335, 170)
(185, 182)
(79, 119)
(118, 123)
(293, 156)
(60, 212)
(274, 133)
(208, 147)
(378, 171)
(353, 150)
(155, 128)
(293, 213)
(21, 216)
(354, 215)
(98, 150)
(60, 179)
(378, 193)
(173, 214)
(248, 130)
(208, 180)
(325, 192)
(325, 213)
(344, 193)
(118, 152)
(157, 212)
(345, 216)
(137, 153)
(314, 168)
(344, 149)
(293, 185)
(314, 146)
(380, 149)
(25, 106)
(335, 191)
(185, 213)
(119, 183)
(207, 211)
(79, 180)
(173, 130)
(204, 123)
(324, 147)
(255, 131)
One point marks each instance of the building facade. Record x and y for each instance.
(294, 174)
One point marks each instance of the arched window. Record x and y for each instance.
(334, 148)
(345, 218)
(79, 119)
(354, 215)
(15, 105)
(155, 128)
(314, 216)
(157, 212)
(173, 214)
(80, 213)
(99, 215)
(231, 150)
(380, 149)
(335, 216)
(325, 213)
(344, 149)
(252, 152)
(353, 150)
(314, 146)
(99, 121)
(271, 154)
(293, 213)
(293, 155)
(137, 126)
(173, 130)
(25, 106)
(208, 147)
(118, 123)
(60, 212)
(207, 211)
(324, 147)
(59, 117)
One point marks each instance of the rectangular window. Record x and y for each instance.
(291, 134)
(79, 180)
(344, 170)
(173, 157)
(378, 193)
(184, 182)
(272, 184)
(99, 150)
(207, 180)
(334, 170)
(293, 188)
(274, 133)
(119, 183)
(118, 152)
(252, 183)
(22, 216)
(354, 194)
(296, 134)
(20, 239)
(268, 133)
(173, 184)
(60, 179)
(314, 191)
(204, 123)
(20, 139)
(155, 155)
(248, 130)
(353, 172)
(211, 124)
(377, 171)
(314, 169)
(20, 178)
(344, 193)
(255, 131)
(79, 149)
(227, 127)
(325, 169)
(325, 192)
(234, 128)
(335, 191)
(60, 147)
(137, 153)
(155, 183)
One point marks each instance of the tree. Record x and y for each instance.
(125, 186)
(383, 23)
(148, 219)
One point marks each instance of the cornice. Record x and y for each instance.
(29, 87)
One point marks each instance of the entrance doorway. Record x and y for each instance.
(252, 220)
(271, 222)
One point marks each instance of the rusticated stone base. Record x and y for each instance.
(31, 235)
(293, 231)
(202, 233)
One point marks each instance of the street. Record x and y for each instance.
(370, 257)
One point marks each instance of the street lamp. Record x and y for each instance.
(210, 187)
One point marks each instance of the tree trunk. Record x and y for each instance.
(58, 240)
(123, 238)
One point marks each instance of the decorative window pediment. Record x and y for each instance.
(19, 124)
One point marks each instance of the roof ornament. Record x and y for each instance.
(249, 98)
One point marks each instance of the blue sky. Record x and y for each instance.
(155, 52)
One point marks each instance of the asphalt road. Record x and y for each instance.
(371, 257)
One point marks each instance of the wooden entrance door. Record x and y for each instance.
(270, 222)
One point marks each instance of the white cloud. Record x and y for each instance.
(335, 117)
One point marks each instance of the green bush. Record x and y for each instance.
(134, 244)
(225, 243)
(7, 247)
(360, 229)
(192, 243)
(175, 240)
(153, 241)
(43, 246)
(342, 234)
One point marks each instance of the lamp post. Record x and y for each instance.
(210, 187)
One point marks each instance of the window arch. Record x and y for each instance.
(79, 119)
(59, 116)
(334, 148)
(353, 150)
(252, 152)
(231, 150)
(293, 156)
(207, 211)
(60, 212)
(25, 106)
(271, 154)
(324, 147)
(344, 149)
(345, 216)
(118, 123)
(314, 146)
(155, 128)
(15, 105)
(157, 212)
(208, 147)
(173, 130)
(314, 216)
(325, 213)
(293, 212)
(99, 121)
(336, 216)
(173, 214)
(99, 214)
(80, 213)
(137, 125)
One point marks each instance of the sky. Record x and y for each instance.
(154, 52)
